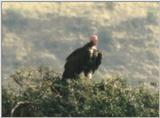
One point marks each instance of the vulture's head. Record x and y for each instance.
(94, 39)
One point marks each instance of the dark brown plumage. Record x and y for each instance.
(85, 59)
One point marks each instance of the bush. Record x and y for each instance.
(41, 92)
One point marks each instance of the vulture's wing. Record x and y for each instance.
(74, 53)
(78, 58)
(97, 60)
(75, 62)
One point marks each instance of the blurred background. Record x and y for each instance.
(44, 33)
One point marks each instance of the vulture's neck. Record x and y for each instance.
(90, 45)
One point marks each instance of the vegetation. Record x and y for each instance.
(41, 92)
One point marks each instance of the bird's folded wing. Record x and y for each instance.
(74, 53)
(97, 61)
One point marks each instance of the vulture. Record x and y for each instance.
(83, 60)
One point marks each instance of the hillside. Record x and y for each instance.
(43, 34)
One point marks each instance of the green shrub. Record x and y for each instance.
(44, 93)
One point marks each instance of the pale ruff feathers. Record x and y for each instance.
(89, 75)
(92, 49)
